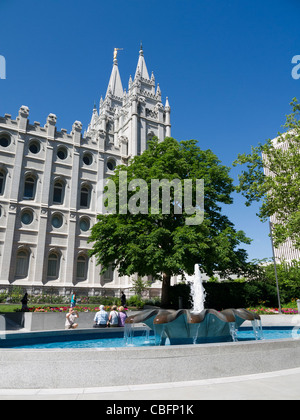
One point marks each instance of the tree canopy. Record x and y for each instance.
(160, 244)
(272, 176)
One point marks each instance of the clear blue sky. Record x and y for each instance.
(225, 66)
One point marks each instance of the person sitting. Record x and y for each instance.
(101, 318)
(122, 316)
(113, 318)
(70, 319)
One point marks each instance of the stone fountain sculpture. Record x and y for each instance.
(198, 325)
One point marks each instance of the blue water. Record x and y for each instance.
(83, 341)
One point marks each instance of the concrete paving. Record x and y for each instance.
(278, 385)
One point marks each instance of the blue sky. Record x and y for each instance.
(224, 65)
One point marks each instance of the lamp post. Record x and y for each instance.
(275, 268)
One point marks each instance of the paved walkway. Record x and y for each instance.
(279, 385)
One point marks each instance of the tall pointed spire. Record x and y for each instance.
(115, 87)
(141, 66)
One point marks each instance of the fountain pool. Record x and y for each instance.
(139, 338)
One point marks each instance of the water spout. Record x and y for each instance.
(197, 290)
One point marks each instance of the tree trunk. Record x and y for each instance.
(165, 295)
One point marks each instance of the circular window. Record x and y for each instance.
(87, 159)
(4, 140)
(34, 147)
(111, 164)
(84, 224)
(62, 153)
(57, 221)
(27, 217)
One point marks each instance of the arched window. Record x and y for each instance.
(111, 164)
(84, 224)
(53, 265)
(5, 140)
(85, 196)
(29, 188)
(22, 264)
(58, 192)
(2, 182)
(81, 267)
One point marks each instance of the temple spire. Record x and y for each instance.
(141, 69)
(115, 87)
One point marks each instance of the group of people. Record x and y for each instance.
(115, 318)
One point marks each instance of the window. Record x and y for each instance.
(58, 192)
(84, 224)
(29, 188)
(2, 182)
(85, 196)
(81, 267)
(53, 265)
(22, 264)
(87, 159)
(34, 147)
(27, 217)
(62, 153)
(109, 274)
(57, 221)
(4, 140)
(111, 164)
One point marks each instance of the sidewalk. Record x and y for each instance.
(279, 385)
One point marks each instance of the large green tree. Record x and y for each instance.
(162, 244)
(272, 177)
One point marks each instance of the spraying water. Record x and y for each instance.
(197, 290)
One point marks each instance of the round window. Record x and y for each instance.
(34, 147)
(62, 153)
(57, 221)
(84, 224)
(4, 141)
(87, 159)
(27, 217)
(111, 164)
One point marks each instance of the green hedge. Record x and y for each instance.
(227, 295)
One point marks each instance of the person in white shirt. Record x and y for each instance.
(101, 318)
(70, 319)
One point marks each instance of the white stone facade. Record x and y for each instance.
(50, 180)
(285, 252)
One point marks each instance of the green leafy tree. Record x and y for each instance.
(139, 286)
(272, 177)
(162, 245)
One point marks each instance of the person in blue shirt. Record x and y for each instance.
(101, 318)
(73, 300)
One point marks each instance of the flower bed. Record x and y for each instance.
(64, 309)
(272, 311)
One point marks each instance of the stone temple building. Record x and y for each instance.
(50, 179)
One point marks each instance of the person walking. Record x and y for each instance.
(73, 300)
(24, 302)
(123, 299)
(101, 318)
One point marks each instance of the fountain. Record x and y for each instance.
(198, 325)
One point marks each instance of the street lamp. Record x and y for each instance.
(275, 268)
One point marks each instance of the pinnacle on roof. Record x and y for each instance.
(141, 66)
(115, 87)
